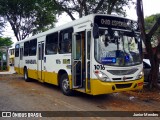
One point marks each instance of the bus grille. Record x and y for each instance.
(121, 79)
(119, 86)
(122, 72)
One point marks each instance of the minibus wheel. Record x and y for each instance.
(64, 84)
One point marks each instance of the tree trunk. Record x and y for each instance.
(153, 76)
(153, 83)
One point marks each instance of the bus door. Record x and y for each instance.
(80, 61)
(17, 58)
(40, 67)
(21, 60)
(77, 60)
(87, 60)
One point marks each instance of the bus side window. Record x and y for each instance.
(65, 42)
(26, 48)
(17, 50)
(33, 47)
(88, 44)
(51, 43)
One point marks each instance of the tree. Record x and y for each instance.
(85, 7)
(1, 25)
(150, 21)
(5, 42)
(153, 55)
(28, 16)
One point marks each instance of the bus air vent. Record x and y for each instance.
(119, 86)
(121, 79)
(122, 72)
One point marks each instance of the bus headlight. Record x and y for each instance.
(140, 75)
(101, 76)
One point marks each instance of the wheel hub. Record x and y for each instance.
(65, 84)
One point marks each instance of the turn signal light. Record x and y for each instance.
(140, 84)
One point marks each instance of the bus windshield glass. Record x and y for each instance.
(118, 48)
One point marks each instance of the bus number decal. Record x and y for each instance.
(30, 62)
(99, 67)
(66, 61)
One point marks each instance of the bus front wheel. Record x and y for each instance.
(64, 84)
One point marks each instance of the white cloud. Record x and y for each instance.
(151, 7)
(8, 32)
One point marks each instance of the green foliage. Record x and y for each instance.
(28, 16)
(45, 18)
(85, 7)
(4, 67)
(150, 21)
(5, 42)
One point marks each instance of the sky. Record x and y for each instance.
(149, 7)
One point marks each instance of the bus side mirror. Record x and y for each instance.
(95, 31)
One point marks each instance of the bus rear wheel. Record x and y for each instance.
(26, 75)
(64, 84)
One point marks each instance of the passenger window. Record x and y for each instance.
(65, 42)
(51, 44)
(33, 47)
(26, 48)
(17, 50)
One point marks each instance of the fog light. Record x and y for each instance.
(113, 88)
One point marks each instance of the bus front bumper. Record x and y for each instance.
(99, 87)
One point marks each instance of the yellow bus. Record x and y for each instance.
(96, 54)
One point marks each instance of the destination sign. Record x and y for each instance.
(113, 22)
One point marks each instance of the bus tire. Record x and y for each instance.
(26, 75)
(64, 85)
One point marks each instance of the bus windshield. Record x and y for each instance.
(118, 48)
